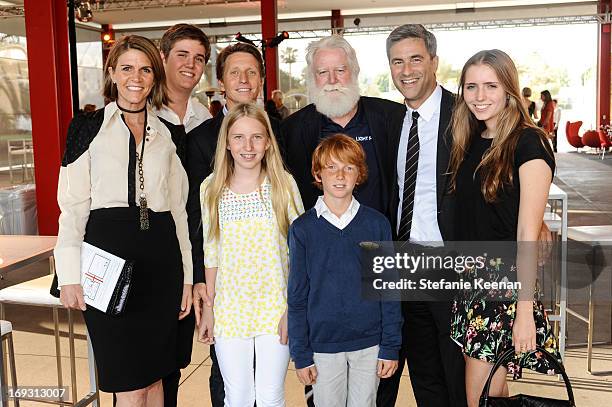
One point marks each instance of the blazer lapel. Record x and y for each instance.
(376, 130)
(394, 138)
(217, 121)
(444, 144)
(311, 131)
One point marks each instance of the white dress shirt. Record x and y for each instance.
(425, 213)
(557, 117)
(98, 178)
(195, 115)
(339, 222)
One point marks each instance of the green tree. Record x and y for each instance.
(382, 81)
(535, 73)
(289, 83)
(587, 75)
(447, 75)
(369, 87)
(289, 57)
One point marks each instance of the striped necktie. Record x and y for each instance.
(410, 177)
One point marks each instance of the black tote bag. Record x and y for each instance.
(524, 400)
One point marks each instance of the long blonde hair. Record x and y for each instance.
(497, 163)
(271, 164)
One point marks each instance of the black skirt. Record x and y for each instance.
(137, 348)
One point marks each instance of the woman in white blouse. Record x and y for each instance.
(122, 188)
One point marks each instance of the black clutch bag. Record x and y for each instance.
(524, 400)
(118, 299)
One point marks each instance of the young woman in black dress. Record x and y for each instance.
(502, 167)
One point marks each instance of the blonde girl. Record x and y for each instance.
(248, 203)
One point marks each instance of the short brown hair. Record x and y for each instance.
(343, 148)
(158, 95)
(238, 47)
(184, 32)
(412, 31)
(527, 92)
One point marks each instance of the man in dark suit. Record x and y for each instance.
(185, 51)
(422, 211)
(332, 80)
(240, 72)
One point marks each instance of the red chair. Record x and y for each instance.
(571, 132)
(590, 138)
(604, 141)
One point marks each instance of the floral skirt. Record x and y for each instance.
(484, 330)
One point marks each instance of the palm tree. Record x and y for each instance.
(289, 57)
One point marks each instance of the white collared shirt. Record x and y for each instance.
(339, 222)
(195, 115)
(557, 116)
(425, 213)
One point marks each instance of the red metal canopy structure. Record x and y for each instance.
(50, 100)
(603, 64)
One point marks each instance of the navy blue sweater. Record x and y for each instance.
(326, 311)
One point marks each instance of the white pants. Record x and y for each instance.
(245, 385)
(346, 379)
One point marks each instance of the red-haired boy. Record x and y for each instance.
(339, 342)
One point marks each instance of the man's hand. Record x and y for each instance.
(71, 296)
(186, 301)
(307, 375)
(206, 327)
(282, 329)
(200, 297)
(386, 368)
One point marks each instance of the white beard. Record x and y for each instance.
(334, 100)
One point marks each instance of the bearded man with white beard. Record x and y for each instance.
(333, 88)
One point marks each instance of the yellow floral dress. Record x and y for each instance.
(252, 260)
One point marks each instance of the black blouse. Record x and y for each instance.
(476, 219)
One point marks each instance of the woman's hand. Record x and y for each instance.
(71, 296)
(200, 298)
(523, 329)
(282, 329)
(210, 292)
(186, 301)
(206, 328)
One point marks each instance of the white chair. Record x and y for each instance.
(554, 222)
(593, 235)
(7, 336)
(557, 223)
(36, 293)
(22, 150)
